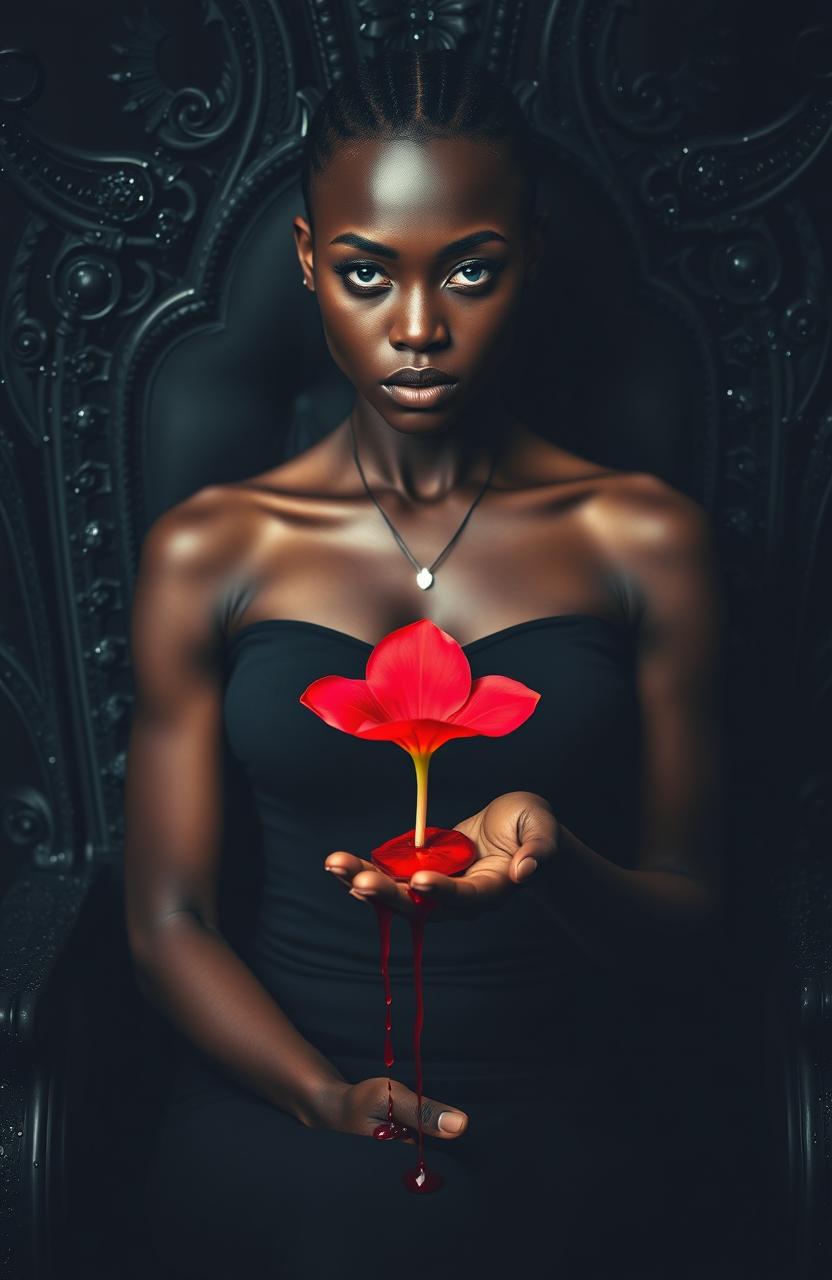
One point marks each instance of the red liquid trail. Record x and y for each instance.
(443, 850)
(420, 1179)
(388, 1129)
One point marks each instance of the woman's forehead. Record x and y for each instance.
(394, 181)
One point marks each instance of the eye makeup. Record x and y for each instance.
(492, 265)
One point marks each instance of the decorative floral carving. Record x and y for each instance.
(423, 24)
(186, 118)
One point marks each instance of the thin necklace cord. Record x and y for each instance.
(424, 575)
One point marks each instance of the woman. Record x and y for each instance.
(548, 1043)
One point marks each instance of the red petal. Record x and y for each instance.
(497, 705)
(419, 672)
(345, 704)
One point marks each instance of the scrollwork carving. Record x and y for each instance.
(185, 119)
(69, 185)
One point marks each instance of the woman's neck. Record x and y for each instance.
(426, 467)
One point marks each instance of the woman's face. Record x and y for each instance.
(396, 286)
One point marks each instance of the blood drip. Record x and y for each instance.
(421, 1179)
(388, 1130)
(449, 852)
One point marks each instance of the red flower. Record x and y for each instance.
(418, 693)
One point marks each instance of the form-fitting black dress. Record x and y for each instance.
(595, 1127)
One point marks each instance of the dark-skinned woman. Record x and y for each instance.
(570, 1110)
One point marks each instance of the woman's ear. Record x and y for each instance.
(303, 244)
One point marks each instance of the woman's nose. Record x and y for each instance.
(419, 322)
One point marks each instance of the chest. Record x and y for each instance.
(512, 562)
(579, 749)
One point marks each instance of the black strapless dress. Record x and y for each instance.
(596, 1132)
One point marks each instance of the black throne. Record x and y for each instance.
(156, 339)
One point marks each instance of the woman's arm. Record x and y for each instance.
(190, 973)
(662, 916)
(174, 823)
(659, 925)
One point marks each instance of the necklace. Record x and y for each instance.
(424, 573)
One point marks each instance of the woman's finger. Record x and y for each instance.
(532, 852)
(528, 858)
(371, 880)
(340, 861)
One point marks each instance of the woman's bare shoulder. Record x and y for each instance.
(660, 542)
(638, 508)
(207, 529)
(642, 527)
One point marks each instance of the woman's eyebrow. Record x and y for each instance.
(386, 251)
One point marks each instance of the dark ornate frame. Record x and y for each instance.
(125, 255)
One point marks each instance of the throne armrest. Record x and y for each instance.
(43, 916)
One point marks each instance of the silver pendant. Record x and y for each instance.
(424, 578)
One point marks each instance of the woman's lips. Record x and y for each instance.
(420, 397)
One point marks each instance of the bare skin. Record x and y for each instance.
(556, 533)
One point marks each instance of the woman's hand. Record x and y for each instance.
(517, 826)
(359, 1108)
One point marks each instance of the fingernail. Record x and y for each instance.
(450, 1121)
(527, 866)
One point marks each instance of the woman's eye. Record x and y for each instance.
(482, 272)
(368, 278)
(365, 273)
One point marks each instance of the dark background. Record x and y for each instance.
(150, 346)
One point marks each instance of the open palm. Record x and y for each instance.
(515, 826)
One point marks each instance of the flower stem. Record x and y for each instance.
(421, 761)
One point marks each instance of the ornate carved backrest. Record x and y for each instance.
(156, 338)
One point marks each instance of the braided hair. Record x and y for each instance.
(418, 95)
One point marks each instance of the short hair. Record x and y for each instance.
(418, 94)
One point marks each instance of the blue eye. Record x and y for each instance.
(370, 269)
(364, 266)
(472, 266)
